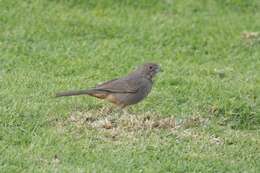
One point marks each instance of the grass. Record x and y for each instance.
(209, 89)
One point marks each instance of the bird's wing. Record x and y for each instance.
(121, 85)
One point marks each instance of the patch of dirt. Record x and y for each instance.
(124, 121)
(117, 124)
(251, 38)
(130, 122)
(250, 35)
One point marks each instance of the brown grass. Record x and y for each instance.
(130, 122)
(117, 125)
(119, 120)
(251, 38)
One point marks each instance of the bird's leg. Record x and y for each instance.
(118, 111)
(106, 110)
(130, 110)
(126, 111)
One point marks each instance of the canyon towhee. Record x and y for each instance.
(124, 91)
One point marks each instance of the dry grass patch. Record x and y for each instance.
(128, 122)
(121, 120)
(118, 125)
(251, 38)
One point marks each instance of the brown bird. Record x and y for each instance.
(124, 91)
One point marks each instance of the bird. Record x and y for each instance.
(125, 91)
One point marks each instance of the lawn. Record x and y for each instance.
(203, 114)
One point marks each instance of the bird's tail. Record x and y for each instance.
(73, 93)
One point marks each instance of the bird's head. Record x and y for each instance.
(149, 70)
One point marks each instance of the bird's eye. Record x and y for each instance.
(150, 67)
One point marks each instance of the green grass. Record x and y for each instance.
(210, 71)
